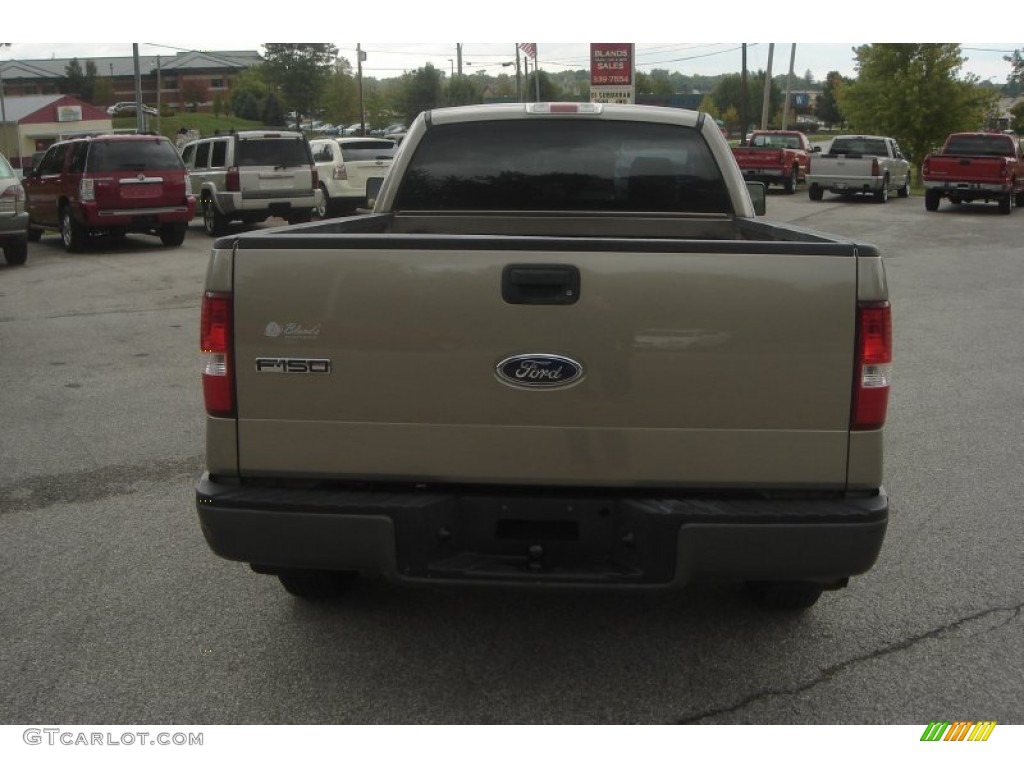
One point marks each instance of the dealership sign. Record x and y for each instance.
(69, 113)
(612, 72)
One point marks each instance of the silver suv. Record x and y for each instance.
(251, 175)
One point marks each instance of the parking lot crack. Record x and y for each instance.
(990, 620)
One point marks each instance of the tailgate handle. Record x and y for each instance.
(540, 284)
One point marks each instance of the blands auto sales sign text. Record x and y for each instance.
(611, 63)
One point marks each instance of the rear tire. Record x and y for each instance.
(301, 217)
(326, 204)
(882, 195)
(214, 222)
(16, 251)
(784, 595)
(318, 585)
(173, 234)
(904, 191)
(792, 181)
(34, 235)
(1006, 203)
(73, 234)
(931, 200)
(815, 192)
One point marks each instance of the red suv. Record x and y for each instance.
(110, 184)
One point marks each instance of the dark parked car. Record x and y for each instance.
(110, 184)
(13, 217)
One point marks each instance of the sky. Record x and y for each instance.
(820, 45)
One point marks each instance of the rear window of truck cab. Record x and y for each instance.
(564, 165)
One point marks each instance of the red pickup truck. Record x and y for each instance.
(775, 157)
(975, 166)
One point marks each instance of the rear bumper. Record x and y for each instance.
(506, 537)
(94, 216)
(271, 202)
(968, 188)
(846, 183)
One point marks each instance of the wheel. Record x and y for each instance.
(815, 192)
(34, 234)
(301, 217)
(73, 234)
(784, 595)
(931, 199)
(792, 181)
(904, 191)
(173, 234)
(1006, 203)
(16, 251)
(318, 585)
(324, 209)
(214, 222)
(882, 194)
(1019, 200)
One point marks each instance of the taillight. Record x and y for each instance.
(340, 172)
(316, 176)
(231, 181)
(873, 365)
(86, 190)
(876, 169)
(12, 199)
(215, 344)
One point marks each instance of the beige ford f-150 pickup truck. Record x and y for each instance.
(561, 351)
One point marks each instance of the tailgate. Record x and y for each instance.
(150, 189)
(986, 170)
(725, 369)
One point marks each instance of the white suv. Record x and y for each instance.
(251, 175)
(344, 164)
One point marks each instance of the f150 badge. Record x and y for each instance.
(539, 371)
(292, 365)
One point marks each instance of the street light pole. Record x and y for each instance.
(3, 111)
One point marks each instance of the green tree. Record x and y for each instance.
(249, 88)
(1017, 125)
(462, 90)
(661, 82)
(549, 91)
(912, 91)
(727, 94)
(827, 105)
(422, 91)
(707, 104)
(301, 71)
(1015, 80)
(340, 98)
(272, 114)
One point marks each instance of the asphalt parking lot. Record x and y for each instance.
(116, 611)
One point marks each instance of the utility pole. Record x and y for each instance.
(744, 114)
(519, 84)
(767, 88)
(360, 57)
(536, 69)
(140, 116)
(458, 56)
(3, 116)
(789, 79)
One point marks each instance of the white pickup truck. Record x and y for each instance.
(853, 165)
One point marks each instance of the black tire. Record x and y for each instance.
(792, 181)
(173, 234)
(16, 251)
(318, 585)
(301, 217)
(1006, 203)
(323, 210)
(904, 191)
(214, 222)
(1019, 200)
(882, 195)
(72, 234)
(815, 192)
(931, 200)
(34, 235)
(784, 595)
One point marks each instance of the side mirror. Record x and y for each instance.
(373, 185)
(756, 190)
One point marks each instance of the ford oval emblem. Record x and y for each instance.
(539, 371)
